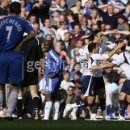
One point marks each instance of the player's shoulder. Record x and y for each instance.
(95, 55)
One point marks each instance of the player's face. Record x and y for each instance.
(96, 50)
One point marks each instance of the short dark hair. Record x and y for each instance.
(92, 46)
(15, 8)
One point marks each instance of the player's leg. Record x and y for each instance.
(3, 76)
(128, 98)
(15, 78)
(100, 88)
(48, 97)
(56, 98)
(91, 107)
(122, 99)
(93, 99)
(12, 100)
(57, 107)
(1, 96)
(20, 103)
(94, 107)
(123, 105)
(48, 106)
(36, 100)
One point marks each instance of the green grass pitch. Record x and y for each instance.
(63, 125)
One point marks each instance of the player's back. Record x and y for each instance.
(11, 32)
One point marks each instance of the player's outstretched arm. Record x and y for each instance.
(120, 45)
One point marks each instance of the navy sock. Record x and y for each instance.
(36, 102)
(95, 108)
(123, 106)
(110, 110)
(103, 104)
(19, 107)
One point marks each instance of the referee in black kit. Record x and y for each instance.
(33, 55)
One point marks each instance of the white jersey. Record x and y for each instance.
(87, 63)
(126, 70)
(120, 61)
(84, 51)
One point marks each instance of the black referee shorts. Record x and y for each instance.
(30, 78)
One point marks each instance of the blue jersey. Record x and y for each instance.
(12, 29)
(54, 63)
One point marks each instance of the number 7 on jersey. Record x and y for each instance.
(9, 29)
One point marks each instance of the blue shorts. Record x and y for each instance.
(11, 67)
(52, 85)
(126, 87)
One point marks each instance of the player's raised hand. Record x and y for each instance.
(121, 44)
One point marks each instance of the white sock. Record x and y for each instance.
(47, 110)
(1, 99)
(12, 101)
(57, 106)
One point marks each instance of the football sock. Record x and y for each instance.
(94, 108)
(57, 106)
(1, 100)
(12, 101)
(47, 110)
(123, 106)
(19, 106)
(103, 104)
(36, 102)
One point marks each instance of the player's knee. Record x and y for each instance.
(90, 103)
(48, 97)
(128, 99)
(122, 96)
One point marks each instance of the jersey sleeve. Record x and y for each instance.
(100, 57)
(27, 27)
(119, 60)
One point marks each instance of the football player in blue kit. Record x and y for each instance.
(12, 29)
(53, 72)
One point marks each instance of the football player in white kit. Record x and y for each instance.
(123, 60)
(89, 80)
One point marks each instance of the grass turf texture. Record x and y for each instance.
(63, 125)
